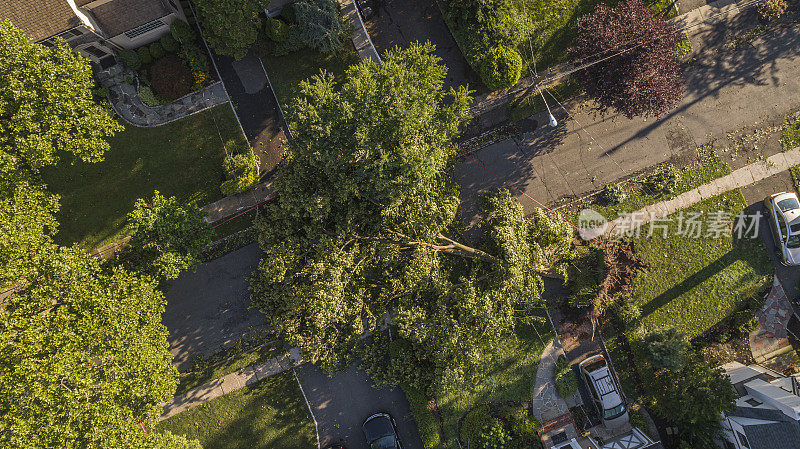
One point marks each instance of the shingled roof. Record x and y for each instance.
(39, 19)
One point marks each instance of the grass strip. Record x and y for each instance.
(270, 413)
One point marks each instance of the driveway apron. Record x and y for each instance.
(256, 107)
(342, 402)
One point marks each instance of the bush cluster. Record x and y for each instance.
(147, 96)
(169, 44)
(771, 9)
(499, 427)
(240, 167)
(195, 58)
(613, 194)
(170, 78)
(156, 50)
(144, 55)
(488, 32)
(131, 59)
(182, 32)
(314, 24)
(501, 68)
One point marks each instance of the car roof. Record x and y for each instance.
(377, 425)
(784, 195)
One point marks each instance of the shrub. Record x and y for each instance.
(566, 383)
(288, 14)
(523, 429)
(626, 312)
(321, 26)
(156, 50)
(241, 171)
(472, 424)
(666, 348)
(771, 9)
(144, 55)
(170, 78)
(148, 97)
(663, 180)
(197, 61)
(230, 27)
(613, 194)
(131, 59)
(182, 32)
(584, 283)
(494, 435)
(426, 422)
(276, 30)
(501, 68)
(684, 46)
(645, 78)
(169, 44)
(294, 42)
(101, 92)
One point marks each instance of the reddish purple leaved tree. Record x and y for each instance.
(645, 77)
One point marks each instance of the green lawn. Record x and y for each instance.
(183, 158)
(286, 72)
(693, 283)
(269, 414)
(205, 372)
(790, 133)
(690, 178)
(509, 377)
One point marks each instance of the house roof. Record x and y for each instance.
(39, 19)
(767, 414)
(779, 435)
(118, 16)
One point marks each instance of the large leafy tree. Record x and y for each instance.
(366, 228)
(641, 75)
(166, 236)
(83, 354)
(231, 26)
(46, 107)
(693, 395)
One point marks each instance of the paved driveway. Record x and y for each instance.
(209, 309)
(401, 22)
(341, 404)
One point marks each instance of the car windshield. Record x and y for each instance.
(613, 412)
(793, 241)
(788, 204)
(386, 442)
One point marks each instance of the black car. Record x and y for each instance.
(380, 432)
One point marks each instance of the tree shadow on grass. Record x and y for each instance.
(271, 413)
(745, 248)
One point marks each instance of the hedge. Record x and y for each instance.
(426, 421)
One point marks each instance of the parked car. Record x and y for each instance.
(605, 391)
(381, 432)
(783, 213)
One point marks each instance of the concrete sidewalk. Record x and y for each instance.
(361, 39)
(546, 404)
(229, 383)
(742, 177)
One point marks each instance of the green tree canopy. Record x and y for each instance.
(83, 354)
(366, 227)
(693, 398)
(166, 236)
(666, 348)
(231, 26)
(46, 107)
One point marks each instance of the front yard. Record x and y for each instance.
(182, 158)
(509, 379)
(270, 413)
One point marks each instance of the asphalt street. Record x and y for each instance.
(728, 87)
(209, 309)
(341, 404)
